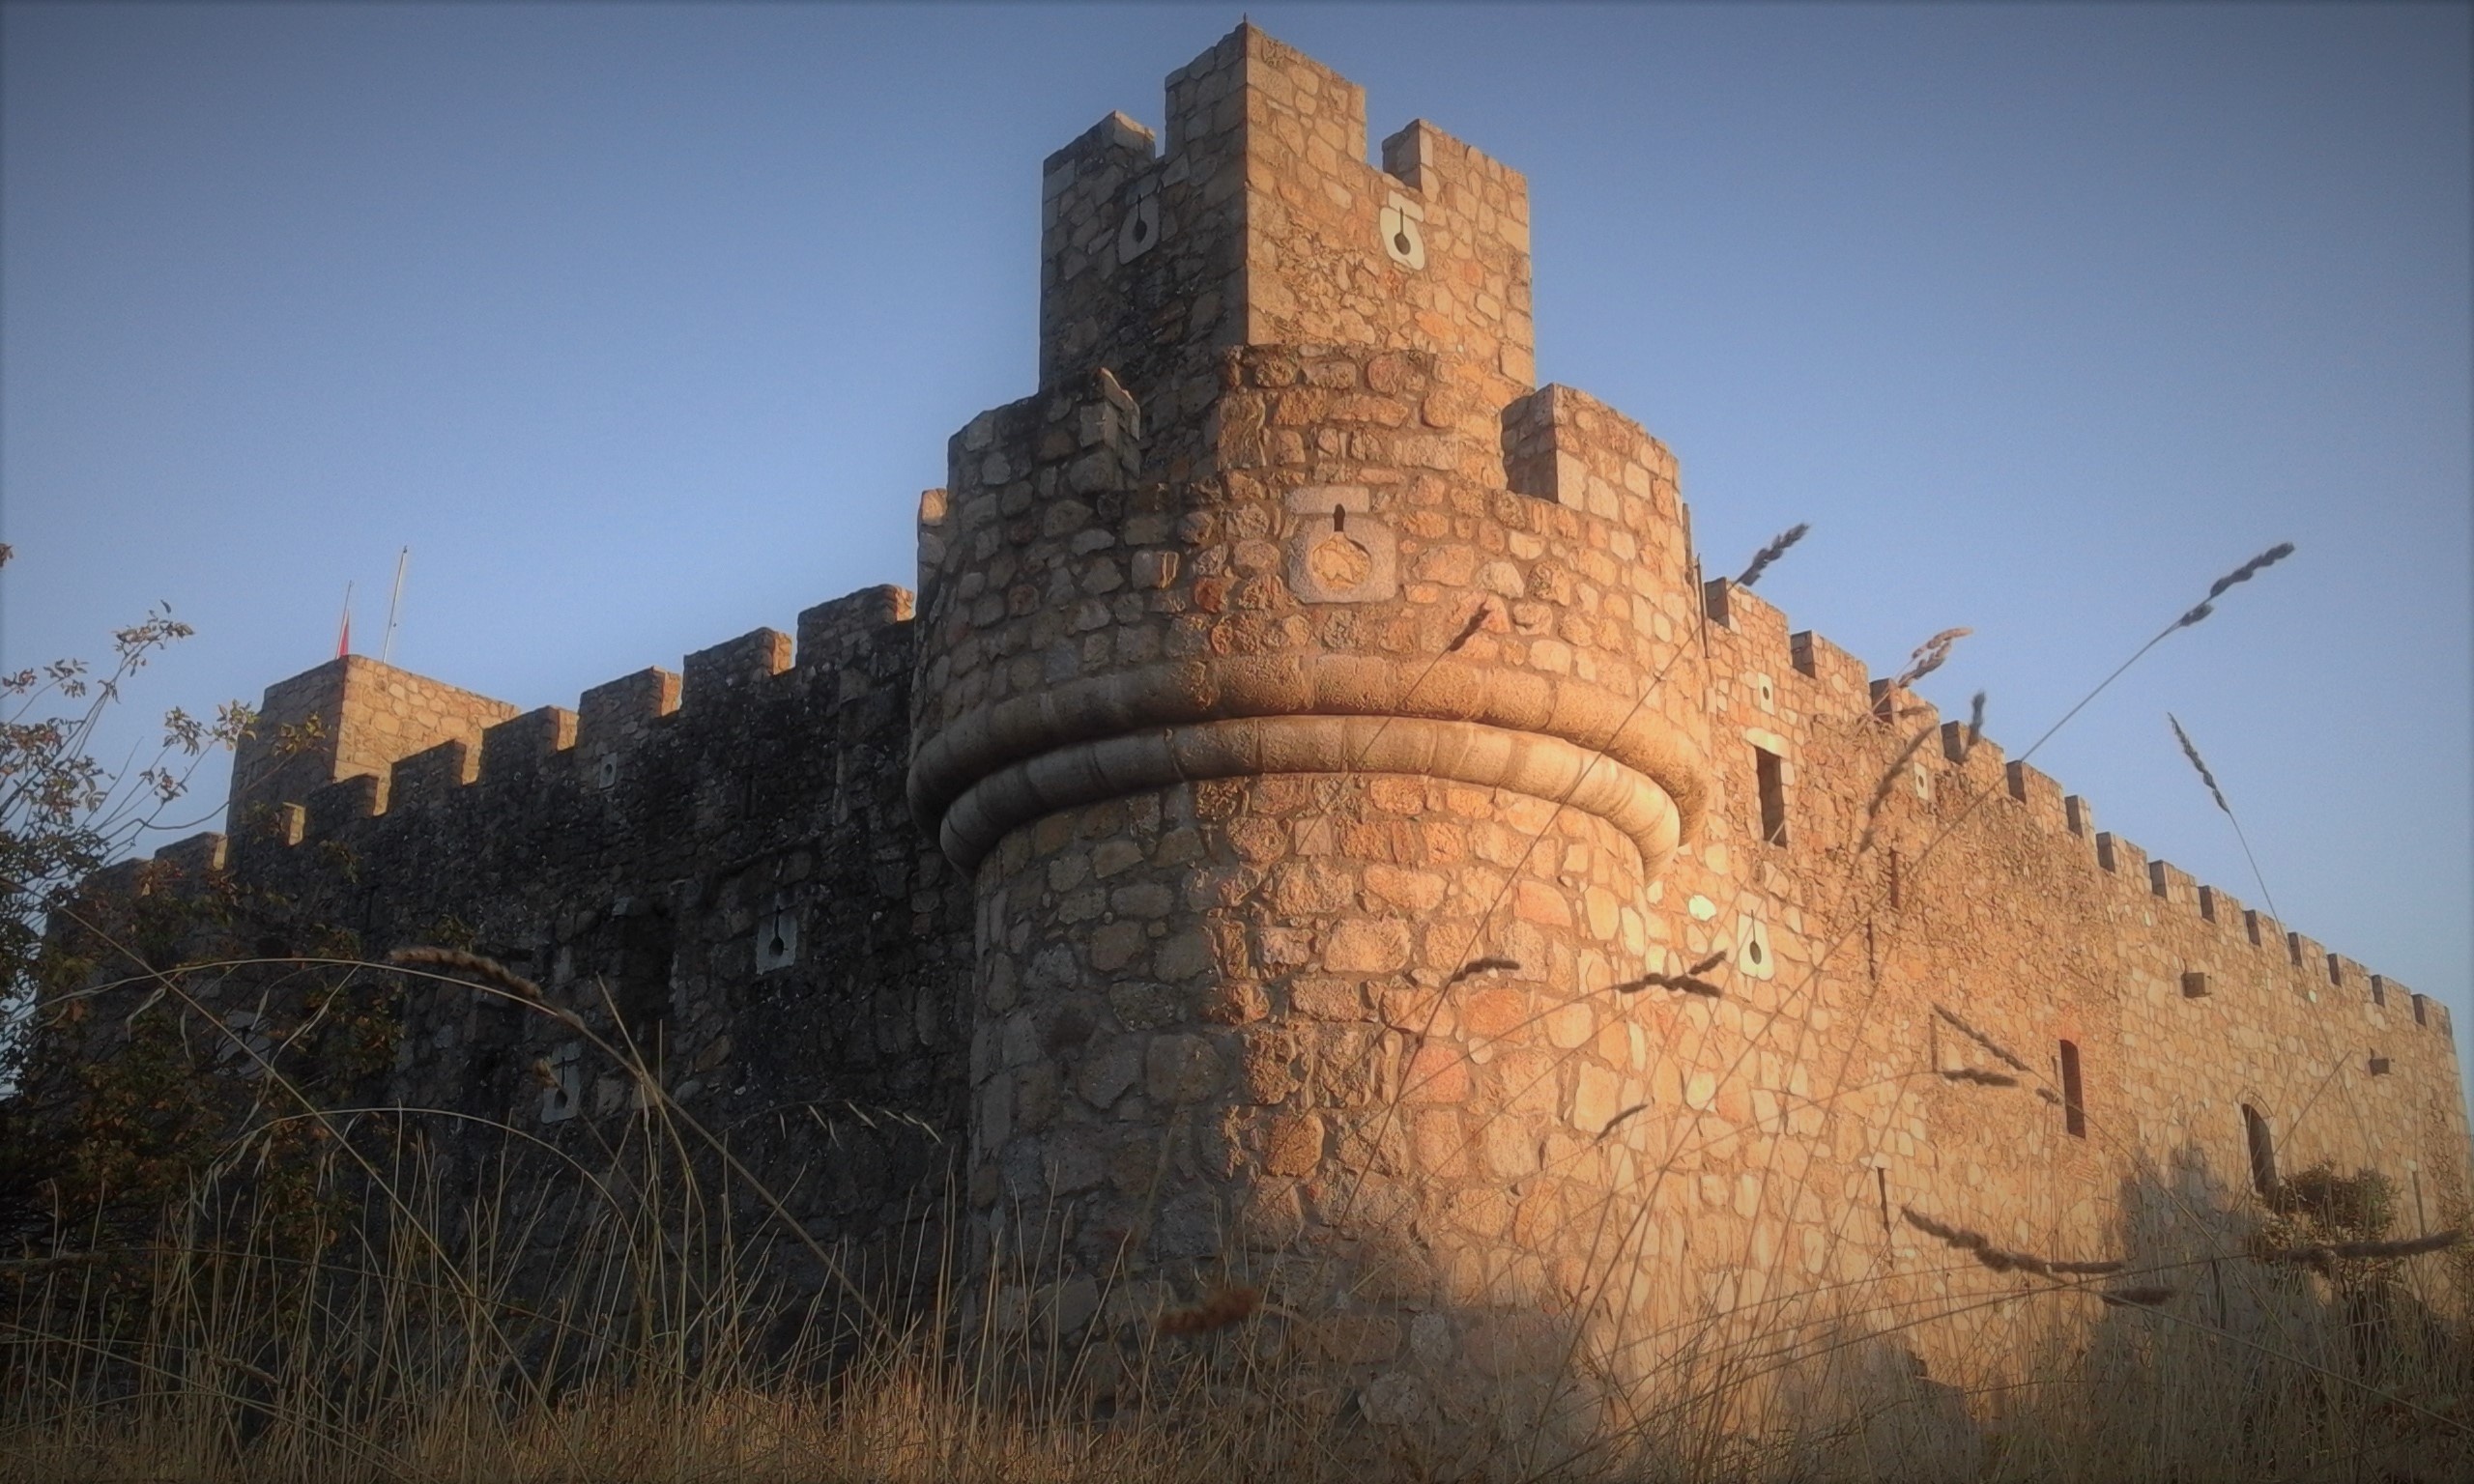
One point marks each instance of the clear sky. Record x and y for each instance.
(644, 325)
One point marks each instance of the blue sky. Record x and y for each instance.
(644, 325)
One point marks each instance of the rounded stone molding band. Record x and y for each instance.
(957, 756)
(1544, 767)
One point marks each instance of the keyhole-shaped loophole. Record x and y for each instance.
(1339, 519)
(777, 939)
(1397, 229)
(1140, 229)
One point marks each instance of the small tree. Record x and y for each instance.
(64, 815)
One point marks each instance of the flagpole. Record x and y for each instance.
(386, 650)
(343, 636)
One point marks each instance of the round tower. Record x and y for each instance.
(1314, 700)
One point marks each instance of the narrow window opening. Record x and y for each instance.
(648, 950)
(1882, 1180)
(2074, 1098)
(2379, 1066)
(1772, 774)
(2378, 990)
(2263, 1151)
(1894, 881)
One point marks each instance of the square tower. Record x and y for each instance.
(1262, 223)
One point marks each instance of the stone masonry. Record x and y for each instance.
(1320, 829)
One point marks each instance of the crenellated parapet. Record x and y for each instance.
(719, 858)
(1262, 222)
(845, 648)
(2227, 941)
(351, 716)
(1322, 827)
(1297, 601)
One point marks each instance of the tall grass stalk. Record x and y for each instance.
(610, 1316)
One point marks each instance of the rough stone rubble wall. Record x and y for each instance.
(366, 714)
(717, 866)
(1217, 997)
(1210, 1020)
(1842, 1085)
(1318, 709)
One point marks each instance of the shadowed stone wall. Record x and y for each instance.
(1321, 829)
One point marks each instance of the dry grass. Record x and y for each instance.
(654, 1353)
(617, 1323)
(614, 1323)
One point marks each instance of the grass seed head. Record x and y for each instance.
(1929, 656)
(1778, 548)
(486, 969)
(2241, 574)
(2323, 1257)
(1994, 1257)
(2191, 752)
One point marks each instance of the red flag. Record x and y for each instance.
(343, 641)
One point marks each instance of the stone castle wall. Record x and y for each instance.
(351, 718)
(716, 867)
(1321, 829)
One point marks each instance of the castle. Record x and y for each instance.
(1314, 822)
